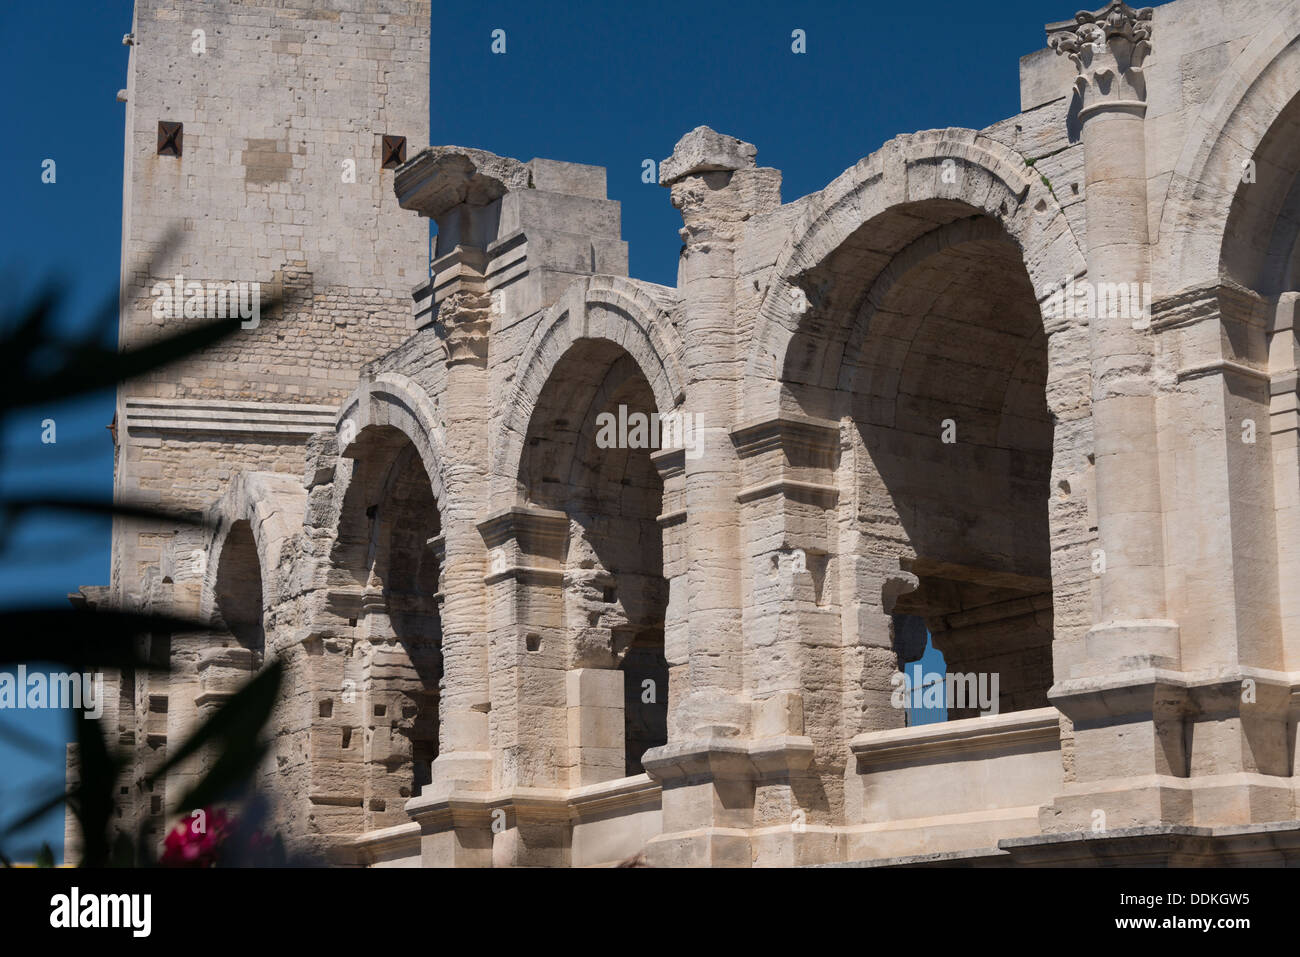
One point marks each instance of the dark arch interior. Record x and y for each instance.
(389, 518)
(1261, 249)
(615, 593)
(239, 589)
(944, 373)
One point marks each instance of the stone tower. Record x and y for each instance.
(261, 139)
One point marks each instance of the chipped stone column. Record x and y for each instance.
(716, 187)
(458, 188)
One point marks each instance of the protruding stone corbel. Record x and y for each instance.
(456, 187)
(713, 200)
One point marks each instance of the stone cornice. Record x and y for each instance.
(1168, 693)
(194, 417)
(440, 811)
(729, 758)
(439, 178)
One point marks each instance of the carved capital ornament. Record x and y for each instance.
(1108, 47)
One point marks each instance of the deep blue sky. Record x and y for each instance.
(580, 82)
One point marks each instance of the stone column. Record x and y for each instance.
(1170, 725)
(792, 629)
(448, 186)
(1125, 724)
(706, 174)
(464, 754)
(705, 769)
(1130, 621)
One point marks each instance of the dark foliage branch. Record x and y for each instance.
(38, 366)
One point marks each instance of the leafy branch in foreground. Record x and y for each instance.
(38, 366)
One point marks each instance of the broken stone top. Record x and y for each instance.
(440, 178)
(1116, 19)
(703, 151)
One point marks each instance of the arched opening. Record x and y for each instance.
(1259, 304)
(587, 454)
(943, 373)
(387, 542)
(238, 590)
(1261, 247)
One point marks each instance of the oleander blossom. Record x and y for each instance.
(217, 843)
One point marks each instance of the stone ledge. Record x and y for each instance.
(474, 808)
(927, 741)
(220, 417)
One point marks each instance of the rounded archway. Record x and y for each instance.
(944, 377)
(922, 328)
(238, 589)
(387, 546)
(587, 454)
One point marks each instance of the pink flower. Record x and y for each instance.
(199, 841)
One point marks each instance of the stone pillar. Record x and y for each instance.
(792, 629)
(1284, 428)
(705, 768)
(447, 186)
(711, 179)
(464, 755)
(529, 678)
(1171, 725)
(1130, 620)
(1131, 632)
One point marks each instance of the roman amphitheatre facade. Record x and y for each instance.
(1031, 389)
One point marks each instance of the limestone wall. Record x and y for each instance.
(539, 649)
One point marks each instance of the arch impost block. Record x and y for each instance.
(790, 455)
(818, 493)
(1226, 301)
(669, 462)
(519, 522)
(789, 433)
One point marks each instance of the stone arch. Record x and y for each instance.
(629, 314)
(950, 336)
(608, 603)
(1257, 90)
(915, 226)
(909, 187)
(385, 574)
(1230, 238)
(261, 510)
(394, 400)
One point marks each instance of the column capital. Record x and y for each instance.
(1108, 46)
